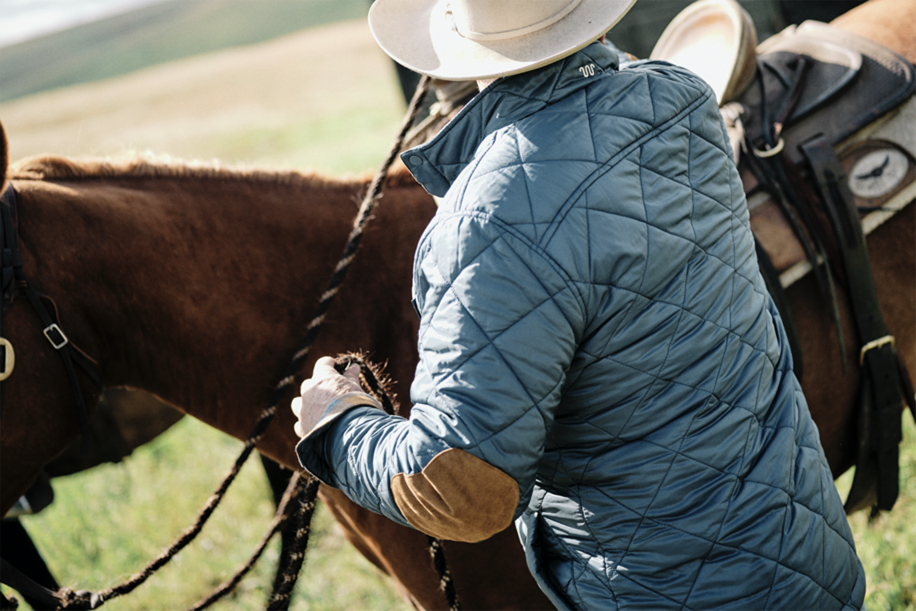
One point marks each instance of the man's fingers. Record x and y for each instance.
(323, 366)
(352, 373)
(306, 385)
(325, 376)
(296, 405)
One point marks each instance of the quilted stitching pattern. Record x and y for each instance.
(593, 324)
(691, 352)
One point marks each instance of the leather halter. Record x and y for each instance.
(14, 283)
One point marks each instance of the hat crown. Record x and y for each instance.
(502, 19)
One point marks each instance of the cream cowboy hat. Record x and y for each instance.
(465, 40)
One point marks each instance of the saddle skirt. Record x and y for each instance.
(858, 95)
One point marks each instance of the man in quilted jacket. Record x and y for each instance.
(599, 359)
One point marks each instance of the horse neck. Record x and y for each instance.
(195, 290)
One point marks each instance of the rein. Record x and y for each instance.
(299, 500)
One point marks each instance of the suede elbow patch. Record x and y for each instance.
(457, 497)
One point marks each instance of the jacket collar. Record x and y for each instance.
(438, 162)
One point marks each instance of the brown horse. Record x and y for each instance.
(195, 284)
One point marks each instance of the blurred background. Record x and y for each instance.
(280, 84)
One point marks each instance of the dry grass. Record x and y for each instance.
(324, 99)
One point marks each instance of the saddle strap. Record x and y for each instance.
(772, 169)
(884, 379)
(9, 258)
(774, 287)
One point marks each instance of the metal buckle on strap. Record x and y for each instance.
(9, 359)
(877, 343)
(56, 336)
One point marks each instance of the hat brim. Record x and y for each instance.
(417, 35)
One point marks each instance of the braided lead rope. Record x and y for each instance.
(288, 568)
(92, 600)
(377, 384)
(71, 599)
(446, 585)
(290, 565)
(283, 516)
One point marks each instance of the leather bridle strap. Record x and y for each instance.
(781, 300)
(9, 257)
(52, 331)
(885, 383)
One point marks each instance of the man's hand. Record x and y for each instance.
(319, 391)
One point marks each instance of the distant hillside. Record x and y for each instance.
(156, 34)
(324, 98)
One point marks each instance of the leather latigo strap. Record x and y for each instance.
(9, 259)
(885, 388)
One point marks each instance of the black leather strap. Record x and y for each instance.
(884, 381)
(774, 287)
(14, 281)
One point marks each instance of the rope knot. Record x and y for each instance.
(79, 600)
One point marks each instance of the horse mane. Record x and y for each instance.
(57, 168)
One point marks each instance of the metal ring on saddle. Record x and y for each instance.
(9, 359)
(877, 343)
(766, 153)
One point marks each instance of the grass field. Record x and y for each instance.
(325, 99)
(107, 523)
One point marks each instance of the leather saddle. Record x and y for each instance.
(826, 82)
(818, 81)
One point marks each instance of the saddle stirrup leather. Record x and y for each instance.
(885, 389)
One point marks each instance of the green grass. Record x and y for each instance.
(887, 544)
(325, 99)
(109, 522)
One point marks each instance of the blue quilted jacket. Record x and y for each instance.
(599, 359)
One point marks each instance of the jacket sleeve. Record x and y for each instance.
(498, 332)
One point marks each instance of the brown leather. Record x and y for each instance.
(457, 497)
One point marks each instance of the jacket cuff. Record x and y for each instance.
(312, 449)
